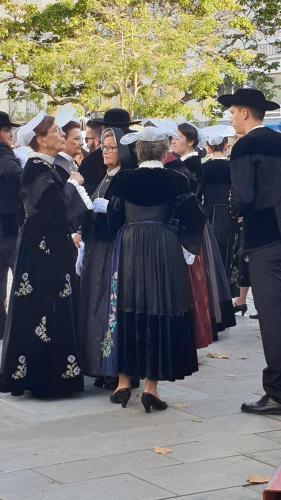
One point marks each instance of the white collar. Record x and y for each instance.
(257, 126)
(189, 155)
(42, 156)
(66, 156)
(111, 173)
(151, 164)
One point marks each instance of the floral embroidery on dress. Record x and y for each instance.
(21, 370)
(25, 287)
(41, 330)
(43, 246)
(72, 368)
(107, 343)
(67, 288)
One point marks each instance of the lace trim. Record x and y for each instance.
(151, 164)
(82, 192)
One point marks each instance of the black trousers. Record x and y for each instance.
(265, 275)
(7, 259)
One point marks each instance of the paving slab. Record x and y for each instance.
(225, 446)
(109, 466)
(206, 475)
(226, 494)
(270, 457)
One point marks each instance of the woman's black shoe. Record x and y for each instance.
(121, 397)
(149, 401)
(254, 316)
(240, 307)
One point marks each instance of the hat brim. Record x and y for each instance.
(116, 124)
(229, 100)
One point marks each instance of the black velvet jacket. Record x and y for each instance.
(256, 186)
(146, 188)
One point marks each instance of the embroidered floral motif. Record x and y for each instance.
(72, 368)
(43, 246)
(21, 368)
(41, 330)
(67, 288)
(107, 343)
(25, 287)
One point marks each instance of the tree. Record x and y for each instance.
(152, 56)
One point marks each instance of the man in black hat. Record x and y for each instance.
(10, 174)
(256, 196)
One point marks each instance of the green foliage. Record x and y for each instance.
(154, 57)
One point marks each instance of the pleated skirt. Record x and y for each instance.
(151, 330)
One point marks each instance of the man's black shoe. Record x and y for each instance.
(265, 405)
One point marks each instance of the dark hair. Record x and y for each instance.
(97, 127)
(41, 131)
(218, 147)
(256, 113)
(190, 133)
(70, 126)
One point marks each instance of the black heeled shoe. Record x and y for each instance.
(243, 308)
(121, 397)
(149, 401)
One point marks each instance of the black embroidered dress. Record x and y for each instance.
(150, 329)
(39, 348)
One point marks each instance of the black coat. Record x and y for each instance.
(256, 186)
(191, 168)
(93, 170)
(10, 206)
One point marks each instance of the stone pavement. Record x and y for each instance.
(87, 448)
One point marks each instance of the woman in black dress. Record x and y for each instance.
(216, 191)
(96, 264)
(220, 303)
(39, 348)
(150, 326)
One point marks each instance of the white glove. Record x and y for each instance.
(188, 257)
(100, 205)
(79, 261)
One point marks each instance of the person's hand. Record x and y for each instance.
(76, 239)
(75, 176)
(100, 205)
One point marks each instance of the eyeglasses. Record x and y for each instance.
(108, 149)
(87, 139)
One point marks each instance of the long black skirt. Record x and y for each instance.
(39, 347)
(150, 332)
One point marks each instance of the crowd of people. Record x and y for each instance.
(126, 259)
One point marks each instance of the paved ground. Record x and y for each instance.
(87, 448)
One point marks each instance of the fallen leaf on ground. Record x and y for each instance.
(181, 405)
(162, 451)
(218, 355)
(255, 479)
(243, 357)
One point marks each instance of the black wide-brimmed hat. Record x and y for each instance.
(5, 120)
(116, 117)
(252, 98)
